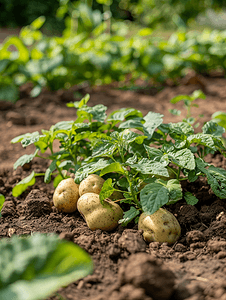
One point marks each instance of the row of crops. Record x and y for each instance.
(94, 51)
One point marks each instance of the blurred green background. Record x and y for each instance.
(151, 13)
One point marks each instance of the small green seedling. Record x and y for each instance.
(188, 104)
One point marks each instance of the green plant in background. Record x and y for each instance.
(97, 50)
(188, 104)
(36, 266)
(147, 165)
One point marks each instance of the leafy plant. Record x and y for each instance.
(96, 50)
(138, 155)
(188, 104)
(36, 266)
(2, 200)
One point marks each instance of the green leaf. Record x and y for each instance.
(180, 98)
(190, 199)
(202, 139)
(81, 103)
(180, 130)
(145, 31)
(198, 94)
(123, 113)
(2, 200)
(129, 215)
(107, 190)
(213, 128)
(220, 118)
(24, 159)
(175, 190)
(152, 121)
(3, 64)
(9, 93)
(216, 177)
(49, 171)
(90, 168)
(57, 180)
(183, 158)
(97, 112)
(37, 23)
(27, 138)
(34, 267)
(21, 186)
(153, 196)
(145, 166)
(133, 123)
(115, 167)
(192, 176)
(175, 112)
(153, 153)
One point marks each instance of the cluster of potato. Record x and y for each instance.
(70, 196)
(162, 226)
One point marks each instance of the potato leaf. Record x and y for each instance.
(152, 121)
(49, 171)
(129, 215)
(153, 196)
(113, 167)
(2, 200)
(24, 159)
(122, 114)
(190, 199)
(107, 190)
(145, 166)
(175, 190)
(26, 139)
(21, 186)
(213, 128)
(216, 177)
(32, 268)
(90, 168)
(183, 158)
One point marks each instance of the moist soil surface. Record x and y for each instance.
(125, 266)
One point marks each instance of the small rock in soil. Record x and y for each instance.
(132, 241)
(194, 237)
(216, 246)
(145, 271)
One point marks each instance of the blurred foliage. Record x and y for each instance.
(152, 13)
(96, 49)
(87, 52)
(173, 13)
(15, 13)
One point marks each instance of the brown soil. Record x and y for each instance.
(126, 267)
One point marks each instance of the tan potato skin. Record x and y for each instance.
(161, 227)
(66, 196)
(91, 184)
(98, 216)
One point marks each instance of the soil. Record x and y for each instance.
(126, 267)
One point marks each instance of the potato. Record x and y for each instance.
(91, 184)
(161, 227)
(98, 216)
(66, 196)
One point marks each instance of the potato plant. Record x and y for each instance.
(138, 156)
(93, 55)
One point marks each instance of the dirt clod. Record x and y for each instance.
(145, 271)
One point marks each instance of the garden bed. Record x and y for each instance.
(194, 268)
